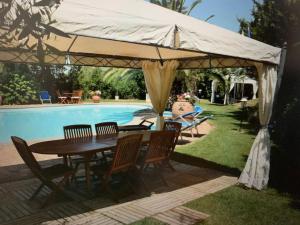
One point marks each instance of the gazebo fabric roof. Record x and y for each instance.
(122, 33)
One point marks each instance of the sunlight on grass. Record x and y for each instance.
(236, 205)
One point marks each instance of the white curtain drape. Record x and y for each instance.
(159, 79)
(214, 85)
(256, 172)
(232, 83)
(255, 89)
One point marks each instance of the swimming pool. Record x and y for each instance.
(48, 122)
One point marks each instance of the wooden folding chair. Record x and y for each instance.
(104, 129)
(75, 132)
(45, 175)
(76, 96)
(160, 145)
(62, 99)
(176, 127)
(124, 161)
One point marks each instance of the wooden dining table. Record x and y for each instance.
(85, 147)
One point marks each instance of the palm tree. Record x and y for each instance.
(224, 76)
(179, 6)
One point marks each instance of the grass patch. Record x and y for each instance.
(148, 221)
(225, 145)
(236, 205)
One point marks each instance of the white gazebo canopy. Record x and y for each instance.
(235, 79)
(244, 80)
(138, 34)
(123, 33)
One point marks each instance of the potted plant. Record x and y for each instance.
(96, 96)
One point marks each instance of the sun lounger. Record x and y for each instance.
(190, 115)
(144, 125)
(194, 124)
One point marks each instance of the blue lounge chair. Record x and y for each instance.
(45, 97)
(190, 120)
(194, 124)
(190, 115)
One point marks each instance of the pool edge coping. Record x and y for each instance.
(70, 105)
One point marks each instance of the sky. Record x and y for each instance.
(226, 12)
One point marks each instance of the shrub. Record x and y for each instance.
(18, 90)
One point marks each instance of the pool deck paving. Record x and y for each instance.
(162, 202)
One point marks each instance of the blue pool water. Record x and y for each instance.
(48, 122)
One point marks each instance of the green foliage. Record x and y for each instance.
(66, 79)
(111, 81)
(274, 21)
(18, 90)
(133, 86)
(91, 79)
(128, 83)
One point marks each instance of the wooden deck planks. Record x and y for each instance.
(181, 216)
(165, 205)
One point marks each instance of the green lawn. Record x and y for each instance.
(226, 146)
(237, 206)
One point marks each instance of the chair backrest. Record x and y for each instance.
(173, 126)
(77, 93)
(78, 131)
(126, 153)
(161, 143)
(26, 155)
(44, 95)
(106, 128)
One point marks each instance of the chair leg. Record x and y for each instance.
(37, 191)
(141, 178)
(158, 169)
(106, 187)
(49, 199)
(192, 133)
(57, 188)
(127, 177)
(170, 166)
(104, 157)
(75, 171)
